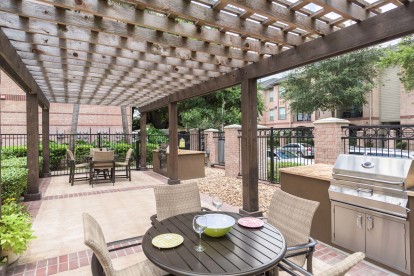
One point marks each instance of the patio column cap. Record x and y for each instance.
(332, 121)
(236, 126)
(261, 127)
(211, 130)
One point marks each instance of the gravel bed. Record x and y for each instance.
(230, 189)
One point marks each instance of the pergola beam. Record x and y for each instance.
(343, 8)
(145, 19)
(380, 28)
(71, 18)
(17, 70)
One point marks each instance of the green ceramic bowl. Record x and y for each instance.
(218, 225)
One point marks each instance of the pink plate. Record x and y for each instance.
(250, 222)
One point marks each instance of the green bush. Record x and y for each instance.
(57, 154)
(14, 182)
(15, 227)
(82, 150)
(401, 145)
(20, 162)
(150, 148)
(13, 151)
(121, 149)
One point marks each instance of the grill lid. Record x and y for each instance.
(375, 170)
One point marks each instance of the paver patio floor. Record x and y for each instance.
(123, 211)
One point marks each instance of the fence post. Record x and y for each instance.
(328, 140)
(138, 154)
(210, 145)
(272, 159)
(99, 140)
(232, 152)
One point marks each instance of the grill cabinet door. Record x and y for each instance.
(386, 241)
(348, 228)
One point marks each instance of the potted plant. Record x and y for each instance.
(15, 230)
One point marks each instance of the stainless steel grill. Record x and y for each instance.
(369, 207)
(376, 183)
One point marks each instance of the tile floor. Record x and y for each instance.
(59, 249)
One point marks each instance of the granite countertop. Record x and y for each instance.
(186, 152)
(318, 171)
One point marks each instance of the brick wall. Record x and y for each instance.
(211, 144)
(91, 118)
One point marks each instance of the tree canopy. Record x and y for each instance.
(339, 82)
(214, 110)
(403, 56)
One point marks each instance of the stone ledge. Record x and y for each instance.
(331, 121)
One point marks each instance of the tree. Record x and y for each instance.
(214, 110)
(339, 82)
(403, 56)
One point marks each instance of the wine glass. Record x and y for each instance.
(217, 202)
(199, 225)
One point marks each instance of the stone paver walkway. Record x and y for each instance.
(123, 211)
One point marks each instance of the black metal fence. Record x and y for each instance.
(381, 140)
(281, 148)
(15, 145)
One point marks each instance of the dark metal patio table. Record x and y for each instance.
(242, 251)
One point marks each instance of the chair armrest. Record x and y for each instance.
(154, 219)
(294, 266)
(311, 245)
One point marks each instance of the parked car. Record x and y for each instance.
(301, 149)
(382, 152)
(285, 156)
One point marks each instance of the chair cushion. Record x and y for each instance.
(121, 163)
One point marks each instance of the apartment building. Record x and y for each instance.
(92, 118)
(387, 103)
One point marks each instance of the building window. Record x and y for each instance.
(282, 91)
(282, 113)
(271, 96)
(271, 115)
(303, 117)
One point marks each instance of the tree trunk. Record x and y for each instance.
(125, 123)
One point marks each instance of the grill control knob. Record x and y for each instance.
(367, 165)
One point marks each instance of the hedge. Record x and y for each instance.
(82, 150)
(21, 162)
(150, 148)
(121, 149)
(14, 182)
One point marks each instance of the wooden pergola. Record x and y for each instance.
(155, 53)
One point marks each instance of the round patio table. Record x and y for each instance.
(242, 251)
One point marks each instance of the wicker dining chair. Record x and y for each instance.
(95, 239)
(103, 161)
(172, 200)
(73, 166)
(293, 216)
(127, 164)
(340, 269)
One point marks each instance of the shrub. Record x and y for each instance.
(57, 154)
(14, 182)
(121, 149)
(401, 145)
(150, 148)
(13, 151)
(20, 162)
(15, 227)
(82, 150)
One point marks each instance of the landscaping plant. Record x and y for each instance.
(15, 227)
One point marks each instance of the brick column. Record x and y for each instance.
(328, 142)
(232, 152)
(211, 145)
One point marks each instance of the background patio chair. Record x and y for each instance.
(94, 238)
(92, 150)
(337, 270)
(103, 161)
(172, 200)
(126, 164)
(293, 216)
(73, 166)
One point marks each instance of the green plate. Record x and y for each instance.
(168, 240)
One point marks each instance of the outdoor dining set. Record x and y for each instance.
(99, 166)
(186, 239)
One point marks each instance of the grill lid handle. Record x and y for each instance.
(368, 165)
(369, 179)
